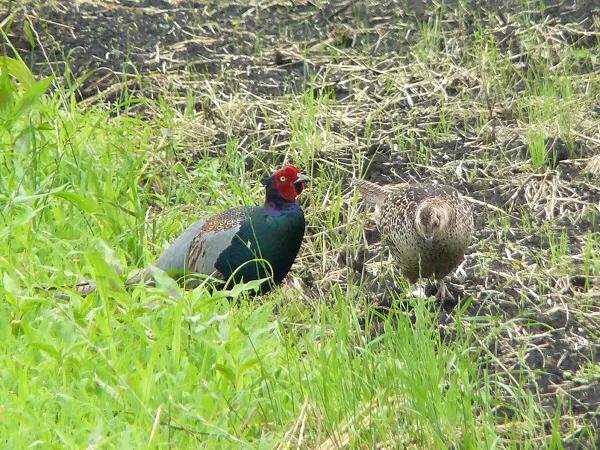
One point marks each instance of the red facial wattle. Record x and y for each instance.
(289, 183)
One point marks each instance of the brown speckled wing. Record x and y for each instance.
(214, 236)
(198, 247)
(225, 220)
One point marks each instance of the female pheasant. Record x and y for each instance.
(241, 244)
(427, 227)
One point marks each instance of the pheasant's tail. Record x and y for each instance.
(371, 192)
(144, 276)
(86, 288)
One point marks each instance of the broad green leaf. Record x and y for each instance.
(48, 348)
(227, 372)
(84, 203)
(106, 277)
(250, 286)
(7, 91)
(29, 198)
(165, 282)
(10, 285)
(17, 69)
(31, 96)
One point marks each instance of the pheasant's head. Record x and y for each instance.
(287, 184)
(432, 219)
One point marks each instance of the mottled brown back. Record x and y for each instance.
(417, 257)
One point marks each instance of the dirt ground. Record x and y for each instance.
(222, 38)
(350, 51)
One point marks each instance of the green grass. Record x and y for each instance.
(537, 150)
(97, 191)
(142, 369)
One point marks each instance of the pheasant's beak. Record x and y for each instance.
(299, 183)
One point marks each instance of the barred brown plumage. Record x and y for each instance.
(427, 227)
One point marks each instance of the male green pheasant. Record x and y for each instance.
(241, 244)
(427, 227)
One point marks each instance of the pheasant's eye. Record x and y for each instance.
(282, 179)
